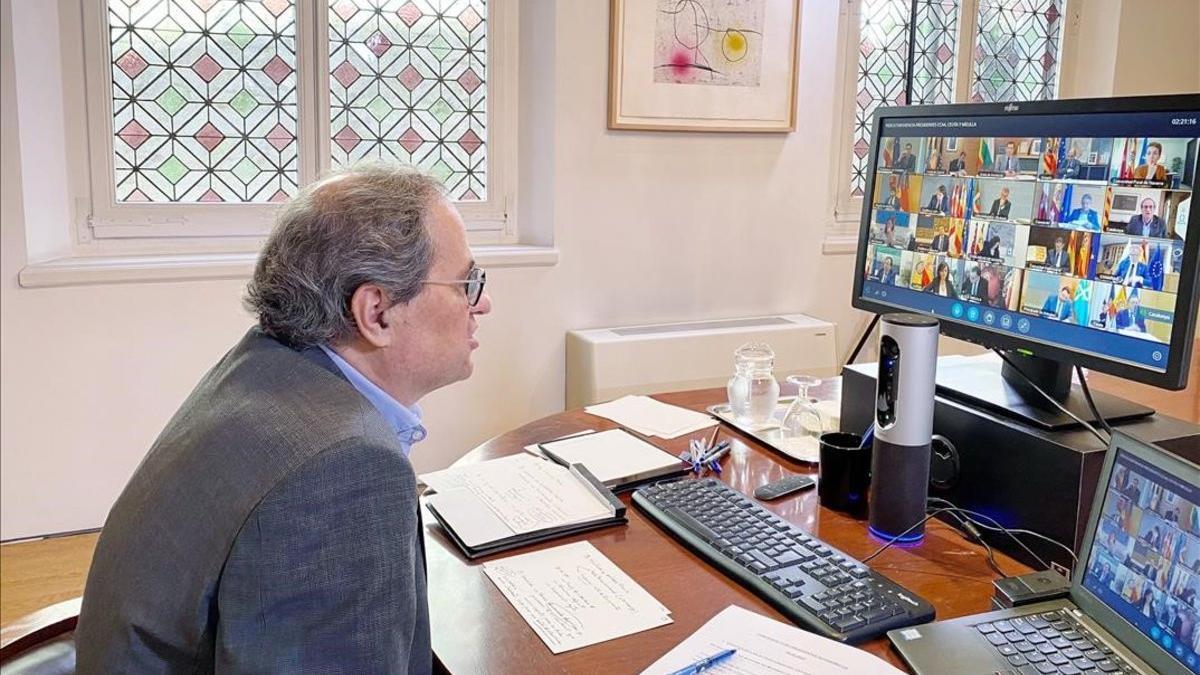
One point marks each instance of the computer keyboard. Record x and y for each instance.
(810, 582)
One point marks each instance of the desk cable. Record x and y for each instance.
(968, 519)
(1054, 401)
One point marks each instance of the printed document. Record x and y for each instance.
(768, 647)
(614, 455)
(573, 596)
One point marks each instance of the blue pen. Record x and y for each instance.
(706, 663)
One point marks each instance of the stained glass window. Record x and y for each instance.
(203, 100)
(408, 81)
(1017, 50)
(883, 64)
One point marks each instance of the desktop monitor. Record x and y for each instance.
(1062, 232)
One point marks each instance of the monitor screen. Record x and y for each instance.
(1144, 562)
(1041, 226)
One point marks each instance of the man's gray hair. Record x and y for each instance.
(363, 224)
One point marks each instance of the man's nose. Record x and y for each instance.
(484, 305)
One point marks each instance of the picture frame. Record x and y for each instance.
(1035, 146)
(1093, 157)
(703, 65)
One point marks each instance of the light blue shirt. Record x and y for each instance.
(405, 421)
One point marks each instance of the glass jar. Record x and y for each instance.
(753, 391)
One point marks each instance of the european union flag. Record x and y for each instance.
(1154, 275)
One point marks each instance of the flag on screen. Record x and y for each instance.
(956, 244)
(1063, 208)
(986, 153)
(1083, 297)
(1142, 152)
(904, 191)
(1155, 269)
(1050, 158)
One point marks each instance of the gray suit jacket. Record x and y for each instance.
(272, 527)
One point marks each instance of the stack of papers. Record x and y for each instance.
(512, 495)
(767, 647)
(649, 417)
(573, 596)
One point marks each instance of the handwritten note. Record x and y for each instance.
(526, 493)
(573, 596)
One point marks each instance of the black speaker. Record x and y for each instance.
(903, 426)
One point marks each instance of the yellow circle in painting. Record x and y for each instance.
(733, 45)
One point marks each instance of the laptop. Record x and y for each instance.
(1134, 604)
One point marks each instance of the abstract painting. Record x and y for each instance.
(703, 65)
(715, 42)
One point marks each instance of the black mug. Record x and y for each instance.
(845, 473)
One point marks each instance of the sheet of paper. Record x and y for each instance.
(573, 596)
(533, 449)
(524, 492)
(650, 417)
(613, 455)
(767, 647)
(474, 523)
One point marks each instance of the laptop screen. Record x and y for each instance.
(1144, 561)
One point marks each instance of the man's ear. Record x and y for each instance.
(368, 306)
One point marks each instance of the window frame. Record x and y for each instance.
(157, 227)
(847, 209)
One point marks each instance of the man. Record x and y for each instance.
(1132, 317)
(887, 274)
(937, 201)
(1147, 223)
(973, 286)
(1008, 163)
(1085, 215)
(1131, 271)
(1151, 170)
(273, 526)
(958, 165)
(907, 161)
(941, 240)
(1001, 205)
(1058, 307)
(1071, 166)
(1058, 259)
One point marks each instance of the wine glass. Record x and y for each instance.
(803, 423)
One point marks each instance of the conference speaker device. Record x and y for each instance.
(903, 426)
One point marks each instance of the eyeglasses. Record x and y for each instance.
(472, 285)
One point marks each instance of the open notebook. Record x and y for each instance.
(514, 501)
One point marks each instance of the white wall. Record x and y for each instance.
(651, 227)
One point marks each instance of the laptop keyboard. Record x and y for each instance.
(1053, 642)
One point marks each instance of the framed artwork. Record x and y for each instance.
(1093, 157)
(1035, 146)
(703, 65)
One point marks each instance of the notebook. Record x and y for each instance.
(1134, 603)
(617, 458)
(515, 501)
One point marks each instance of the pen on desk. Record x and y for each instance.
(713, 439)
(717, 452)
(705, 663)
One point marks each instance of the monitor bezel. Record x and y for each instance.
(1180, 347)
(1147, 649)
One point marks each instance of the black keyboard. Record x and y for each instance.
(1053, 642)
(813, 584)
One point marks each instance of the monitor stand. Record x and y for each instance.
(1005, 392)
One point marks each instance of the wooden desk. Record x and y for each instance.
(475, 630)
